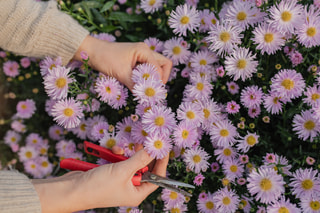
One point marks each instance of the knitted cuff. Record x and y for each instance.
(17, 194)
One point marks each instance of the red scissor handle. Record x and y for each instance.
(101, 152)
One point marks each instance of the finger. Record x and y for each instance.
(139, 160)
(166, 66)
(138, 147)
(117, 150)
(160, 167)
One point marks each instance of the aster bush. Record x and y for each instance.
(239, 115)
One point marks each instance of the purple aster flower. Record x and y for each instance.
(34, 139)
(48, 63)
(67, 113)
(305, 183)
(25, 62)
(310, 204)
(11, 68)
(232, 169)
(138, 133)
(177, 50)
(306, 125)
(215, 166)
(65, 147)
(105, 37)
(202, 60)
(185, 134)
(151, 6)
(82, 130)
(56, 82)
(207, 20)
(233, 87)
(55, 132)
(108, 88)
(159, 119)
(198, 180)
(196, 159)
(251, 96)
(144, 72)
(200, 89)
(223, 133)
(190, 112)
(98, 130)
(121, 100)
(310, 160)
(288, 83)
(171, 198)
(157, 145)
(312, 95)
(309, 32)
(266, 185)
(25, 109)
(272, 103)
(184, 18)
(226, 200)
(233, 107)
(124, 127)
(27, 152)
(254, 112)
(18, 126)
(207, 204)
(296, 58)
(149, 91)
(154, 44)
(12, 137)
(247, 142)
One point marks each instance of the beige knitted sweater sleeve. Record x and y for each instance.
(39, 29)
(17, 194)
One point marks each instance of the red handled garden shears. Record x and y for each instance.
(143, 175)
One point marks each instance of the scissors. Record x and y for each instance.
(142, 175)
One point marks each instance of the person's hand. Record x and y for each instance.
(108, 185)
(117, 59)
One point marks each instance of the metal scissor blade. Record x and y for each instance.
(173, 188)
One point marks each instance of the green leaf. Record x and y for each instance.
(97, 16)
(89, 4)
(107, 6)
(110, 28)
(122, 16)
(87, 11)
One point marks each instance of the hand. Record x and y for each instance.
(118, 59)
(105, 186)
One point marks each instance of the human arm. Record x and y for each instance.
(105, 186)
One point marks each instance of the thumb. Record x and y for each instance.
(139, 160)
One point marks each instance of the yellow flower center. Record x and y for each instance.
(315, 205)
(241, 16)
(83, 127)
(150, 92)
(242, 63)
(233, 168)
(200, 86)
(158, 144)
(191, 115)
(226, 201)
(68, 112)
(28, 154)
(144, 133)
(146, 76)
(251, 140)
(152, 2)
(61, 82)
(196, 158)
(206, 113)
(225, 36)
(33, 166)
(309, 125)
(315, 96)
(176, 50)
(184, 20)
(108, 90)
(307, 184)
(268, 37)
(110, 143)
(287, 84)
(185, 134)
(152, 47)
(227, 152)
(44, 164)
(286, 16)
(23, 106)
(209, 205)
(283, 210)
(311, 31)
(13, 139)
(203, 62)
(173, 195)
(131, 146)
(127, 129)
(159, 121)
(52, 66)
(175, 210)
(213, 21)
(265, 184)
(224, 132)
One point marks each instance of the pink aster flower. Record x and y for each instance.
(124, 127)
(282, 205)
(215, 167)
(25, 62)
(198, 180)
(270, 158)
(310, 204)
(305, 183)
(202, 60)
(157, 145)
(151, 6)
(128, 145)
(56, 82)
(233, 169)
(308, 33)
(154, 44)
(184, 18)
(176, 50)
(27, 152)
(32, 167)
(145, 72)
(286, 16)
(223, 133)
(82, 130)
(200, 89)
(306, 125)
(244, 159)
(18, 126)
(196, 159)
(247, 142)
(11, 68)
(233, 87)
(11, 137)
(34, 139)
(233, 107)
(272, 103)
(312, 95)
(190, 112)
(266, 185)
(288, 83)
(211, 113)
(296, 58)
(26, 108)
(48, 63)
(171, 198)
(207, 19)
(121, 100)
(251, 96)
(65, 148)
(149, 91)
(185, 134)
(67, 113)
(98, 130)
(159, 119)
(138, 133)
(105, 37)
(310, 160)
(207, 204)
(226, 200)
(108, 88)
(254, 112)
